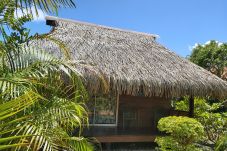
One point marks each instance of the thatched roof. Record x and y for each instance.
(133, 62)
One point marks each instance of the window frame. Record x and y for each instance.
(116, 121)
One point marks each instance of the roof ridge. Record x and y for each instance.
(102, 26)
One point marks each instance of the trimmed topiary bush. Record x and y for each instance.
(183, 133)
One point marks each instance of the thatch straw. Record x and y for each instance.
(133, 62)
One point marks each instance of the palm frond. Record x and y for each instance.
(4, 147)
(27, 76)
(68, 114)
(30, 67)
(41, 137)
(16, 105)
(50, 6)
(81, 144)
(53, 122)
(9, 110)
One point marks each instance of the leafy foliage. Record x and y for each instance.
(50, 6)
(38, 110)
(8, 119)
(211, 113)
(221, 145)
(183, 132)
(208, 114)
(211, 56)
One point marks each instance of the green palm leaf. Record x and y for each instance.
(50, 6)
(9, 110)
(41, 96)
(29, 67)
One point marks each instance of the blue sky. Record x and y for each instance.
(179, 23)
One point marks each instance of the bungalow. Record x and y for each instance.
(142, 75)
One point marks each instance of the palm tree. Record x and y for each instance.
(53, 116)
(38, 110)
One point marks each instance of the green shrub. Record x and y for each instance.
(183, 133)
(210, 115)
(221, 145)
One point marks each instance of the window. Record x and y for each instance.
(130, 119)
(103, 109)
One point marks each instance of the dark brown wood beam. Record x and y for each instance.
(191, 106)
(126, 138)
(51, 23)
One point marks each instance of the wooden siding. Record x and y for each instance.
(148, 112)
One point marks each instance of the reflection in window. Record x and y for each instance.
(102, 109)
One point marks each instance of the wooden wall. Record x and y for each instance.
(148, 111)
(143, 128)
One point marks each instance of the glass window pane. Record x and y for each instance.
(102, 109)
(105, 110)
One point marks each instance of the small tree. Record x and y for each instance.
(208, 114)
(211, 56)
(183, 133)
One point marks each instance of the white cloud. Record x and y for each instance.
(193, 47)
(40, 17)
(220, 43)
(207, 43)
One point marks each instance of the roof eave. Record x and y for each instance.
(53, 21)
